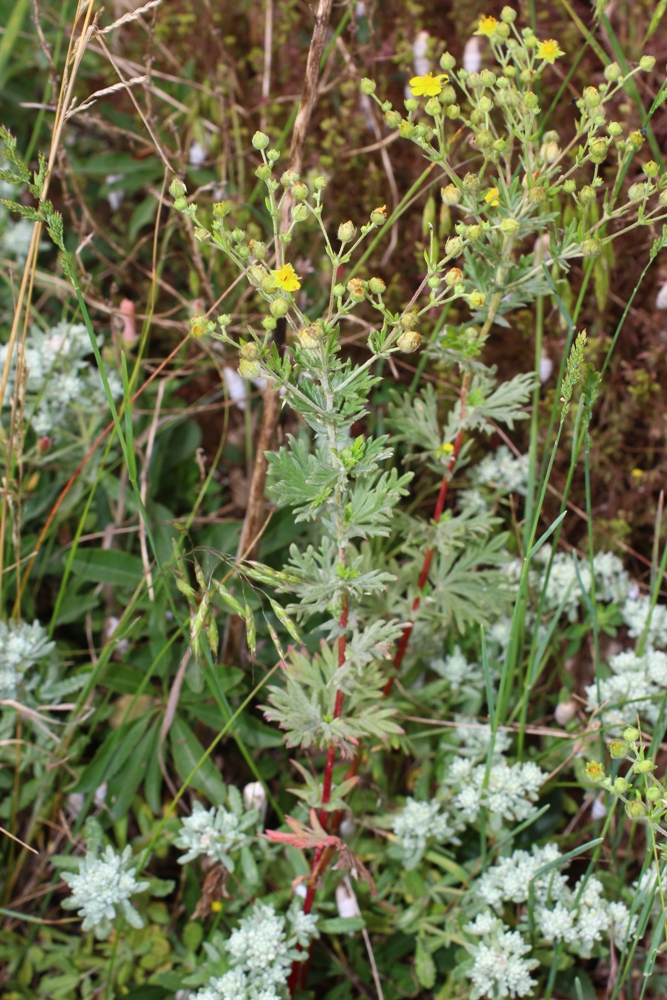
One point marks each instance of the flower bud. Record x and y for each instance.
(433, 107)
(200, 326)
(615, 129)
(662, 199)
(450, 194)
(646, 63)
(537, 195)
(412, 104)
(289, 178)
(254, 797)
(299, 213)
(550, 151)
(447, 61)
(347, 231)
(339, 290)
(488, 77)
(591, 248)
(257, 249)
(255, 274)
(503, 31)
(260, 140)
(272, 155)
(355, 287)
(377, 286)
(643, 766)
(530, 101)
(454, 276)
(612, 72)
(433, 282)
(409, 341)
(636, 192)
(454, 246)
(447, 96)
(570, 186)
(598, 148)
(249, 369)
(177, 188)
(409, 320)
(621, 786)
(509, 226)
(311, 336)
(367, 86)
(279, 307)
(636, 138)
(635, 810)
(263, 172)
(485, 104)
(594, 771)
(477, 299)
(471, 182)
(392, 119)
(407, 129)
(630, 734)
(268, 284)
(651, 169)
(618, 749)
(299, 191)
(592, 97)
(654, 793)
(269, 323)
(379, 215)
(587, 194)
(473, 233)
(508, 14)
(453, 111)
(484, 139)
(180, 204)
(249, 351)
(320, 183)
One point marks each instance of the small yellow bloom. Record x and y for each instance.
(428, 85)
(637, 473)
(287, 278)
(491, 197)
(216, 906)
(487, 25)
(447, 448)
(549, 50)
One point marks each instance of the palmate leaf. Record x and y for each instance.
(371, 504)
(415, 421)
(501, 405)
(467, 587)
(301, 479)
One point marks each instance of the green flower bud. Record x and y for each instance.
(320, 183)
(484, 139)
(646, 63)
(643, 766)
(591, 248)
(263, 172)
(311, 336)
(433, 107)
(447, 61)
(550, 151)
(587, 194)
(200, 326)
(662, 199)
(392, 119)
(488, 77)
(249, 351)
(476, 117)
(654, 793)
(177, 188)
(592, 97)
(299, 191)
(339, 290)
(508, 14)
(453, 111)
(503, 83)
(537, 195)
(260, 140)
(636, 138)
(367, 86)
(651, 169)
(200, 234)
(409, 341)
(289, 178)
(499, 145)
(509, 72)
(272, 155)
(268, 284)
(474, 233)
(256, 273)
(454, 276)
(409, 320)
(355, 287)
(269, 323)
(503, 31)
(450, 195)
(621, 786)
(407, 129)
(618, 749)
(249, 369)
(530, 101)
(347, 231)
(477, 299)
(412, 104)
(635, 810)
(471, 182)
(485, 104)
(377, 286)
(509, 226)
(379, 215)
(433, 281)
(279, 307)
(257, 249)
(454, 246)
(598, 148)
(238, 235)
(630, 734)
(612, 72)
(447, 95)
(570, 186)
(594, 771)
(636, 192)
(180, 204)
(299, 213)
(615, 129)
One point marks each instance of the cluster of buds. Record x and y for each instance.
(649, 804)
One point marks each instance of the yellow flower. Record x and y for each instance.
(487, 25)
(491, 197)
(637, 473)
(549, 50)
(287, 278)
(428, 85)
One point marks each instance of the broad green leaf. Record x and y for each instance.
(188, 751)
(118, 569)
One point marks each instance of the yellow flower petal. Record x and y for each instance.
(287, 278)
(487, 26)
(428, 85)
(491, 197)
(549, 50)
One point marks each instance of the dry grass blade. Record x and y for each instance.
(130, 16)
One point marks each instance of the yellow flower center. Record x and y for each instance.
(549, 50)
(487, 25)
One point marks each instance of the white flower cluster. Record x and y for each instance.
(59, 379)
(217, 833)
(463, 677)
(102, 887)
(500, 968)
(261, 955)
(637, 687)
(508, 792)
(580, 916)
(612, 583)
(502, 470)
(21, 647)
